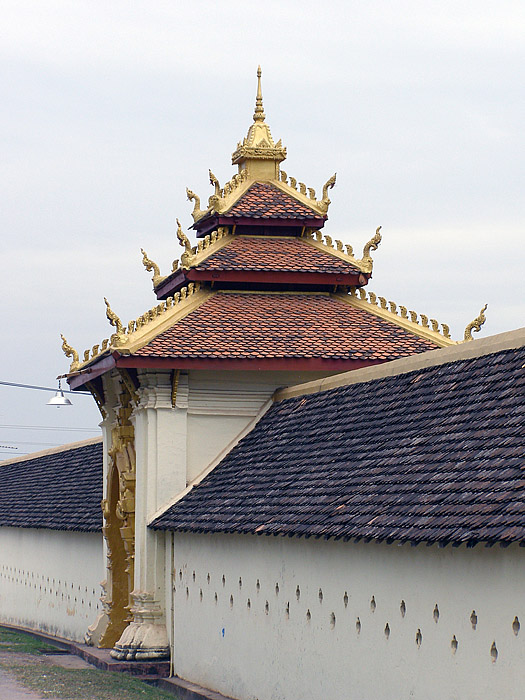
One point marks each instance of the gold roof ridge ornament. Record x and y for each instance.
(70, 351)
(197, 212)
(152, 267)
(475, 325)
(372, 244)
(423, 326)
(184, 241)
(204, 248)
(325, 242)
(259, 115)
(119, 336)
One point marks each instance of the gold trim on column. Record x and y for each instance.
(119, 521)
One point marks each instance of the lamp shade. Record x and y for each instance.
(59, 400)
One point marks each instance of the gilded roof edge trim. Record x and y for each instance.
(325, 243)
(367, 300)
(141, 331)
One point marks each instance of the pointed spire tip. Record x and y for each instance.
(259, 115)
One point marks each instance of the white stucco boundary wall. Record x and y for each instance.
(50, 580)
(295, 619)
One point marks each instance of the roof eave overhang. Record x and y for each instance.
(77, 380)
(299, 364)
(302, 364)
(207, 224)
(171, 285)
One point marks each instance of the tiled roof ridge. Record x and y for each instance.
(491, 345)
(283, 188)
(51, 451)
(139, 332)
(271, 199)
(280, 324)
(221, 239)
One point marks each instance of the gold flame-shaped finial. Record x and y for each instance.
(259, 115)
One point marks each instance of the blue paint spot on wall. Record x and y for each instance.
(222, 631)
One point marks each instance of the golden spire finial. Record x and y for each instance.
(257, 154)
(259, 115)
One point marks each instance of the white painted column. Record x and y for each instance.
(160, 444)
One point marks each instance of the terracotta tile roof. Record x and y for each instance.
(435, 455)
(264, 325)
(265, 201)
(60, 490)
(266, 253)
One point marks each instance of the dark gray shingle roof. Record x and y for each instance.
(434, 455)
(60, 490)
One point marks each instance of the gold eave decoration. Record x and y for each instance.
(152, 267)
(421, 325)
(475, 325)
(345, 252)
(141, 331)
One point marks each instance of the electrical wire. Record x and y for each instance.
(46, 388)
(17, 442)
(50, 427)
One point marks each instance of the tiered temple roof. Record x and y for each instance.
(263, 288)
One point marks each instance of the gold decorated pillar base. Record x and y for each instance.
(146, 637)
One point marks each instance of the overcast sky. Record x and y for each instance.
(110, 109)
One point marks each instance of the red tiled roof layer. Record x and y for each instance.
(255, 326)
(264, 201)
(264, 253)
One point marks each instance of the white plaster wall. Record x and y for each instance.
(50, 580)
(222, 404)
(269, 648)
